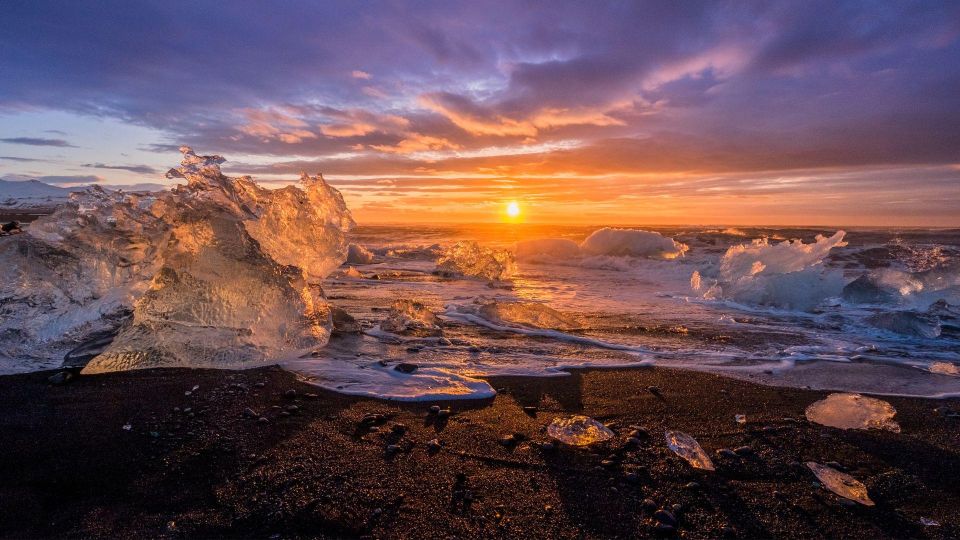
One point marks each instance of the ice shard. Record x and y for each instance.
(853, 411)
(689, 449)
(841, 483)
(215, 273)
(578, 431)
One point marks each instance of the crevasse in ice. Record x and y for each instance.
(215, 273)
(469, 259)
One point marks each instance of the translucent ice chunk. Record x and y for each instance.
(632, 243)
(908, 323)
(578, 431)
(853, 411)
(357, 254)
(840, 483)
(470, 259)
(945, 368)
(353, 273)
(407, 316)
(689, 449)
(527, 314)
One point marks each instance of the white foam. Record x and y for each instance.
(633, 243)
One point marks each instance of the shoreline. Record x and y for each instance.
(197, 465)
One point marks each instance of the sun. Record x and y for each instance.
(513, 209)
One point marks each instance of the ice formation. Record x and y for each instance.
(527, 314)
(633, 243)
(785, 275)
(217, 273)
(841, 483)
(853, 411)
(408, 316)
(469, 259)
(578, 431)
(357, 254)
(689, 449)
(908, 323)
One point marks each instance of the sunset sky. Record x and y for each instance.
(834, 113)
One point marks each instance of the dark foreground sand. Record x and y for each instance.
(196, 466)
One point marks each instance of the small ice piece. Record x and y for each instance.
(689, 449)
(469, 259)
(740, 418)
(195, 388)
(853, 411)
(408, 316)
(357, 254)
(578, 431)
(907, 323)
(927, 522)
(127, 427)
(840, 483)
(945, 368)
(527, 314)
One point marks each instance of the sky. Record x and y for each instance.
(740, 113)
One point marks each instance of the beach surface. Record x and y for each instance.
(257, 453)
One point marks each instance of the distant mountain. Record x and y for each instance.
(28, 194)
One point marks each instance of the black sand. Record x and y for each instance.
(69, 469)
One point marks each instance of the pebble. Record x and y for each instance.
(62, 377)
(665, 529)
(405, 367)
(399, 428)
(443, 413)
(665, 516)
(250, 413)
(649, 505)
(655, 390)
(434, 409)
(259, 384)
(726, 452)
(692, 486)
(434, 445)
(290, 394)
(530, 410)
(474, 349)
(284, 413)
(633, 441)
(632, 477)
(548, 447)
(392, 449)
(743, 451)
(292, 408)
(262, 420)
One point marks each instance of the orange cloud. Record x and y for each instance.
(416, 142)
(274, 124)
(357, 74)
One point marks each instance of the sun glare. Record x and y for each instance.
(513, 209)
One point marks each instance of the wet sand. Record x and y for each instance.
(198, 465)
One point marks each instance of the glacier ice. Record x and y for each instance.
(578, 431)
(531, 314)
(689, 449)
(907, 323)
(408, 316)
(215, 273)
(853, 411)
(789, 274)
(357, 254)
(633, 243)
(546, 250)
(841, 483)
(469, 259)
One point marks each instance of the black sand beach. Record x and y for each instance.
(303, 463)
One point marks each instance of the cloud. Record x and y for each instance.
(22, 159)
(416, 142)
(139, 169)
(357, 74)
(36, 141)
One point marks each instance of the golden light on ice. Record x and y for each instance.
(513, 209)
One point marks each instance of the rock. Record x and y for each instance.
(62, 377)
(632, 478)
(727, 453)
(434, 445)
(250, 413)
(292, 408)
(665, 529)
(692, 486)
(665, 517)
(532, 411)
(392, 449)
(655, 390)
(633, 441)
(548, 447)
(263, 420)
(343, 322)
(443, 413)
(404, 367)
(649, 505)
(399, 428)
(290, 394)
(434, 409)
(743, 451)
(259, 384)
(508, 440)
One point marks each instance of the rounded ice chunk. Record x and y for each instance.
(840, 483)
(689, 449)
(853, 411)
(633, 243)
(578, 431)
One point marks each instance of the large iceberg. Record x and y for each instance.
(215, 273)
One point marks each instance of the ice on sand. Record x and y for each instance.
(840, 483)
(853, 411)
(469, 259)
(578, 431)
(219, 272)
(689, 449)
